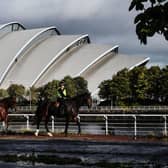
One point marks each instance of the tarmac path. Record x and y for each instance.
(81, 152)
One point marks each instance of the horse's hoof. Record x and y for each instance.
(36, 133)
(49, 134)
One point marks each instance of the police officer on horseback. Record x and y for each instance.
(62, 95)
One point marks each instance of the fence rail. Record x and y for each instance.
(130, 119)
(106, 108)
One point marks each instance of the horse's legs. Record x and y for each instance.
(38, 120)
(66, 125)
(78, 124)
(46, 126)
(5, 124)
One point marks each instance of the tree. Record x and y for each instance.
(117, 89)
(49, 90)
(138, 83)
(105, 89)
(152, 19)
(70, 86)
(81, 85)
(121, 85)
(16, 90)
(154, 84)
(3, 93)
(32, 95)
(164, 85)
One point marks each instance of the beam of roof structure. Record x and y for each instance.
(77, 42)
(10, 27)
(14, 26)
(98, 59)
(140, 63)
(32, 41)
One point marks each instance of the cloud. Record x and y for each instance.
(71, 9)
(107, 22)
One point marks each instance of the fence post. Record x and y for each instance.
(165, 125)
(106, 124)
(135, 127)
(27, 122)
(52, 123)
(78, 117)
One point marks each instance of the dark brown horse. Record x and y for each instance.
(5, 104)
(47, 109)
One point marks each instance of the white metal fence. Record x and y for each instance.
(133, 123)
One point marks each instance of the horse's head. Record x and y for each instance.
(88, 99)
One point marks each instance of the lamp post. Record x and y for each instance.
(30, 98)
(111, 100)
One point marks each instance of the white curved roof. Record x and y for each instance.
(10, 27)
(35, 57)
(11, 44)
(74, 62)
(108, 67)
(27, 69)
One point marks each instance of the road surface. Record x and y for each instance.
(81, 152)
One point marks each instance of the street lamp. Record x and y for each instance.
(30, 98)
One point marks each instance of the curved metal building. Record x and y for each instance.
(36, 56)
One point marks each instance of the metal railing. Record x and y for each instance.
(125, 108)
(134, 116)
(106, 118)
(101, 109)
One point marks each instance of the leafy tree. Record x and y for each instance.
(164, 85)
(32, 95)
(116, 90)
(154, 83)
(153, 18)
(138, 83)
(121, 84)
(105, 89)
(74, 86)
(3, 93)
(70, 86)
(16, 90)
(81, 85)
(49, 90)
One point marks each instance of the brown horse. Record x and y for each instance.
(47, 109)
(5, 104)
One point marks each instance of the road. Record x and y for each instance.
(80, 153)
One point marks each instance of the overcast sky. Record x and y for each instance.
(106, 22)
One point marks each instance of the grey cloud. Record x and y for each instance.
(107, 22)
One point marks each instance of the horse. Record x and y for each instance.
(47, 109)
(5, 104)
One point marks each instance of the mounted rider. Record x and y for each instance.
(62, 95)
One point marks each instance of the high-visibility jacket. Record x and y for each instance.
(62, 93)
